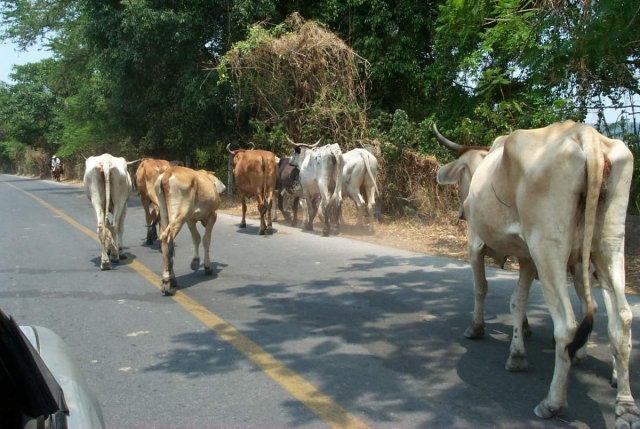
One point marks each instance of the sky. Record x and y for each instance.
(9, 57)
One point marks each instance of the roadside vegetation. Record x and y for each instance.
(181, 80)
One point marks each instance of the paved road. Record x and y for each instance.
(293, 330)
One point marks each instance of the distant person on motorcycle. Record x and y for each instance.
(56, 167)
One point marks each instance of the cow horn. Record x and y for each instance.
(291, 142)
(229, 150)
(453, 147)
(133, 162)
(316, 144)
(252, 146)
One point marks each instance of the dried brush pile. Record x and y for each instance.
(409, 188)
(300, 76)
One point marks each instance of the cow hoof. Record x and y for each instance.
(261, 232)
(149, 242)
(208, 271)
(294, 223)
(195, 264)
(627, 416)
(123, 256)
(105, 265)
(474, 331)
(325, 232)
(170, 291)
(547, 411)
(517, 363)
(168, 287)
(308, 227)
(242, 225)
(115, 259)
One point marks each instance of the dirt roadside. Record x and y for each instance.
(444, 237)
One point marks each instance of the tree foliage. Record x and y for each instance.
(143, 77)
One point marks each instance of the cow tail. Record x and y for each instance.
(162, 206)
(106, 172)
(336, 198)
(595, 170)
(365, 158)
(265, 188)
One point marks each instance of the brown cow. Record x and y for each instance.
(146, 176)
(255, 173)
(186, 195)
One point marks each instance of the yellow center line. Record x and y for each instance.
(319, 403)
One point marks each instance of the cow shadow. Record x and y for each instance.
(130, 258)
(253, 230)
(196, 277)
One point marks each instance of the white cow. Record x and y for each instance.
(359, 173)
(320, 174)
(108, 186)
(556, 198)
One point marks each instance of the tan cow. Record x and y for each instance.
(556, 198)
(186, 195)
(107, 184)
(255, 173)
(146, 176)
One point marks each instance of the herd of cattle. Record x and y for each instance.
(555, 198)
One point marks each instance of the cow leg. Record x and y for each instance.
(610, 269)
(517, 356)
(270, 208)
(296, 203)
(553, 278)
(169, 283)
(211, 220)
(103, 235)
(371, 202)
(313, 209)
(354, 194)
(243, 222)
(104, 240)
(476, 249)
(579, 286)
(120, 231)
(262, 209)
(195, 237)
(149, 218)
(324, 204)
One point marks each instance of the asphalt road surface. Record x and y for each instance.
(292, 331)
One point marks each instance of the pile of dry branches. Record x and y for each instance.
(303, 77)
(409, 187)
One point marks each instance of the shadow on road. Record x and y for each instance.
(417, 362)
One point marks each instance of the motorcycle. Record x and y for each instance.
(57, 172)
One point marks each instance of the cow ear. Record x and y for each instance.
(451, 173)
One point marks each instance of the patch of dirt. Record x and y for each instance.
(444, 236)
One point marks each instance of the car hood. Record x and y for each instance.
(84, 407)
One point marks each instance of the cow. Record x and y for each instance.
(555, 198)
(146, 176)
(186, 195)
(358, 179)
(320, 174)
(288, 186)
(255, 174)
(107, 184)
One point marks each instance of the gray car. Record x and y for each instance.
(41, 385)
